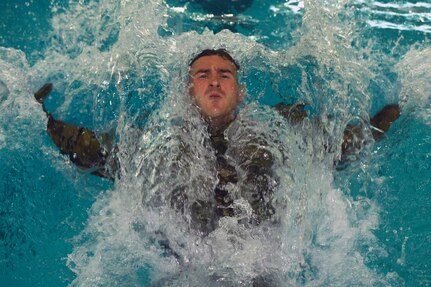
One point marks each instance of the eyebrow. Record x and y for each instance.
(225, 71)
(218, 70)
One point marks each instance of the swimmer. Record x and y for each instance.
(216, 92)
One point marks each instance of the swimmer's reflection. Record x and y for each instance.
(216, 92)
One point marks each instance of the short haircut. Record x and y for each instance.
(219, 52)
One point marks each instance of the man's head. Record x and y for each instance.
(214, 86)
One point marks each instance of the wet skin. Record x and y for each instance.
(214, 89)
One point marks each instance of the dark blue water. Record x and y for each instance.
(46, 203)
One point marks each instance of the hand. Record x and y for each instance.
(382, 120)
(43, 92)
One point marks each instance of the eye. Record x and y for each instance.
(202, 76)
(225, 76)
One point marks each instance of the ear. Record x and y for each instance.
(190, 89)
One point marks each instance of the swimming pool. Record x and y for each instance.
(115, 67)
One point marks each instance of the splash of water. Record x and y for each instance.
(114, 53)
(130, 226)
(413, 71)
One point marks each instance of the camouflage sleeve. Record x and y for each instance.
(295, 113)
(82, 147)
(353, 137)
(80, 144)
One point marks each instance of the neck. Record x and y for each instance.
(217, 125)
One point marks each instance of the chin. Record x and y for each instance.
(214, 114)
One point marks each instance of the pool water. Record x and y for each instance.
(119, 67)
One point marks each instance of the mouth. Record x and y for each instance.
(214, 96)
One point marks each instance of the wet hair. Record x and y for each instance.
(211, 52)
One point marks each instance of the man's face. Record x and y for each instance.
(214, 88)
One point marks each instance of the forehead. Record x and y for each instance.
(213, 61)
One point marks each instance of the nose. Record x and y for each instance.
(214, 81)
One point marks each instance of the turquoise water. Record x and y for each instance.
(115, 66)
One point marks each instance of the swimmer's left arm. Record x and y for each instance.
(380, 124)
(295, 113)
(382, 121)
(353, 134)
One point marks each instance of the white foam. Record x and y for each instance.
(400, 27)
(316, 239)
(414, 74)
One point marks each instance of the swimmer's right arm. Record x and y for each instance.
(79, 143)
